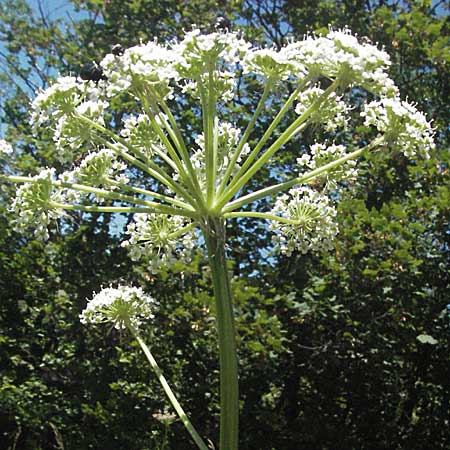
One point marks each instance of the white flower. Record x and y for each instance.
(332, 111)
(341, 55)
(33, 204)
(195, 54)
(139, 132)
(403, 126)
(312, 226)
(158, 237)
(5, 147)
(321, 155)
(57, 100)
(145, 65)
(71, 134)
(120, 306)
(99, 169)
(269, 63)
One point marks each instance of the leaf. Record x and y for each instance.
(427, 339)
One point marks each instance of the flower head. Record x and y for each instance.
(321, 154)
(34, 204)
(269, 63)
(121, 306)
(403, 126)
(149, 65)
(100, 168)
(160, 238)
(332, 114)
(309, 222)
(340, 55)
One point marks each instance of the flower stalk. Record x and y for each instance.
(167, 389)
(215, 238)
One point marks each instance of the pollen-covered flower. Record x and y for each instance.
(161, 238)
(403, 126)
(321, 154)
(121, 306)
(309, 222)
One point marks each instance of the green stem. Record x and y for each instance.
(276, 188)
(170, 395)
(101, 209)
(147, 193)
(244, 139)
(182, 146)
(153, 170)
(242, 177)
(250, 158)
(260, 215)
(214, 232)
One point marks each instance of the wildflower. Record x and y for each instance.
(309, 224)
(269, 63)
(34, 204)
(332, 113)
(403, 126)
(160, 238)
(121, 306)
(100, 168)
(142, 66)
(321, 155)
(140, 134)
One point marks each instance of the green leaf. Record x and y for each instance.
(427, 339)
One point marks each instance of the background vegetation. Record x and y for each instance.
(347, 352)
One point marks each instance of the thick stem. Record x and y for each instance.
(214, 231)
(170, 395)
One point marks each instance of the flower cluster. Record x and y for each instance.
(208, 62)
(269, 63)
(59, 99)
(5, 147)
(403, 126)
(72, 135)
(197, 53)
(207, 67)
(59, 108)
(306, 222)
(148, 66)
(332, 112)
(100, 168)
(34, 204)
(320, 155)
(141, 135)
(160, 238)
(339, 55)
(121, 306)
